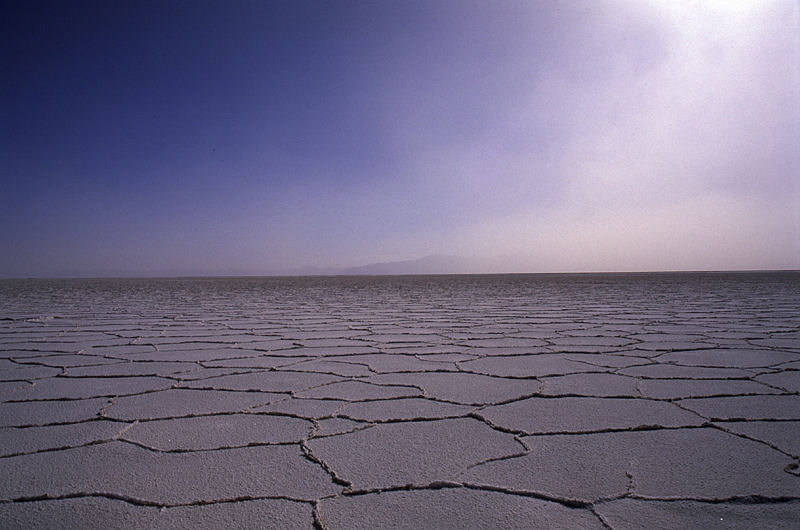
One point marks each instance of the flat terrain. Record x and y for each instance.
(518, 401)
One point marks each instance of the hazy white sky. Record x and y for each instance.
(530, 136)
(687, 162)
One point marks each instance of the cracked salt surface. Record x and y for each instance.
(622, 401)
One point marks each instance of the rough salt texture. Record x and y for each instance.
(548, 401)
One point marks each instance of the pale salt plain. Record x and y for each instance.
(499, 401)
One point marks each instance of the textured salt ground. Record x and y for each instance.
(620, 401)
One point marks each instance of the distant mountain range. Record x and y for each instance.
(434, 264)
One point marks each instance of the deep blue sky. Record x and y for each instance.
(260, 137)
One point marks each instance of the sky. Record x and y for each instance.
(271, 137)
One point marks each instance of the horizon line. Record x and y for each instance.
(348, 275)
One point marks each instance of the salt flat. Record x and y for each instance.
(497, 401)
